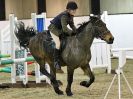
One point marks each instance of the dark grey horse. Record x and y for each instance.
(76, 52)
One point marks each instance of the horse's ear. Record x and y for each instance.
(91, 16)
(99, 16)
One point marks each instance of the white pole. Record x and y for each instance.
(44, 21)
(105, 17)
(25, 79)
(109, 59)
(105, 97)
(119, 84)
(13, 69)
(119, 73)
(127, 83)
(37, 73)
(33, 17)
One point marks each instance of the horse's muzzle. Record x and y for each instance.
(111, 40)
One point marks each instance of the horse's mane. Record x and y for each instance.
(82, 26)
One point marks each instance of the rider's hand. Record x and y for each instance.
(73, 34)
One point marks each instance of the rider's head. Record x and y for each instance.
(71, 7)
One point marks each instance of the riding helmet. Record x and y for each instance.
(71, 5)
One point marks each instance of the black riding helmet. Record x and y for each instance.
(71, 5)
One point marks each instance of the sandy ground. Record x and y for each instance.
(96, 91)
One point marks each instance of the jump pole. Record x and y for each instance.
(12, 61)
(4, 55)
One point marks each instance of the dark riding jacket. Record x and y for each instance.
(60, 22)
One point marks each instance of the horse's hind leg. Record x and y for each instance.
(53, 72)
(53, 80)
(87, 71)
(51, 76)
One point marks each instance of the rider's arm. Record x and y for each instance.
(64, 24)
(72, 25)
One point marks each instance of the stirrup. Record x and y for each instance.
(57, 66)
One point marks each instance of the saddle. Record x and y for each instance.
(50, 42)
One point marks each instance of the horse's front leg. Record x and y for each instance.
(69, 81)
(87, 71)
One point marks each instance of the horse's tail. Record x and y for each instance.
(24, 34)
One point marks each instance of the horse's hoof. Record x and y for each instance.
(60, 92)
(83, 83)
(59, 82)
(59, 71)
(69, 93)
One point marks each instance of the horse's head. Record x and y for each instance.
(101, 31)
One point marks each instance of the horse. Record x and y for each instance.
(75, 53)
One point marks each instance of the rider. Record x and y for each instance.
(59, 27)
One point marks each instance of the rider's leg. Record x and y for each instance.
(57, 59)
(56, 54)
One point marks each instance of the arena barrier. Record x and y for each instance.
(101, 58)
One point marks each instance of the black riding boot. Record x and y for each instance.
(57, 60)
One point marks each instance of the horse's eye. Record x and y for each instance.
(100, 25)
